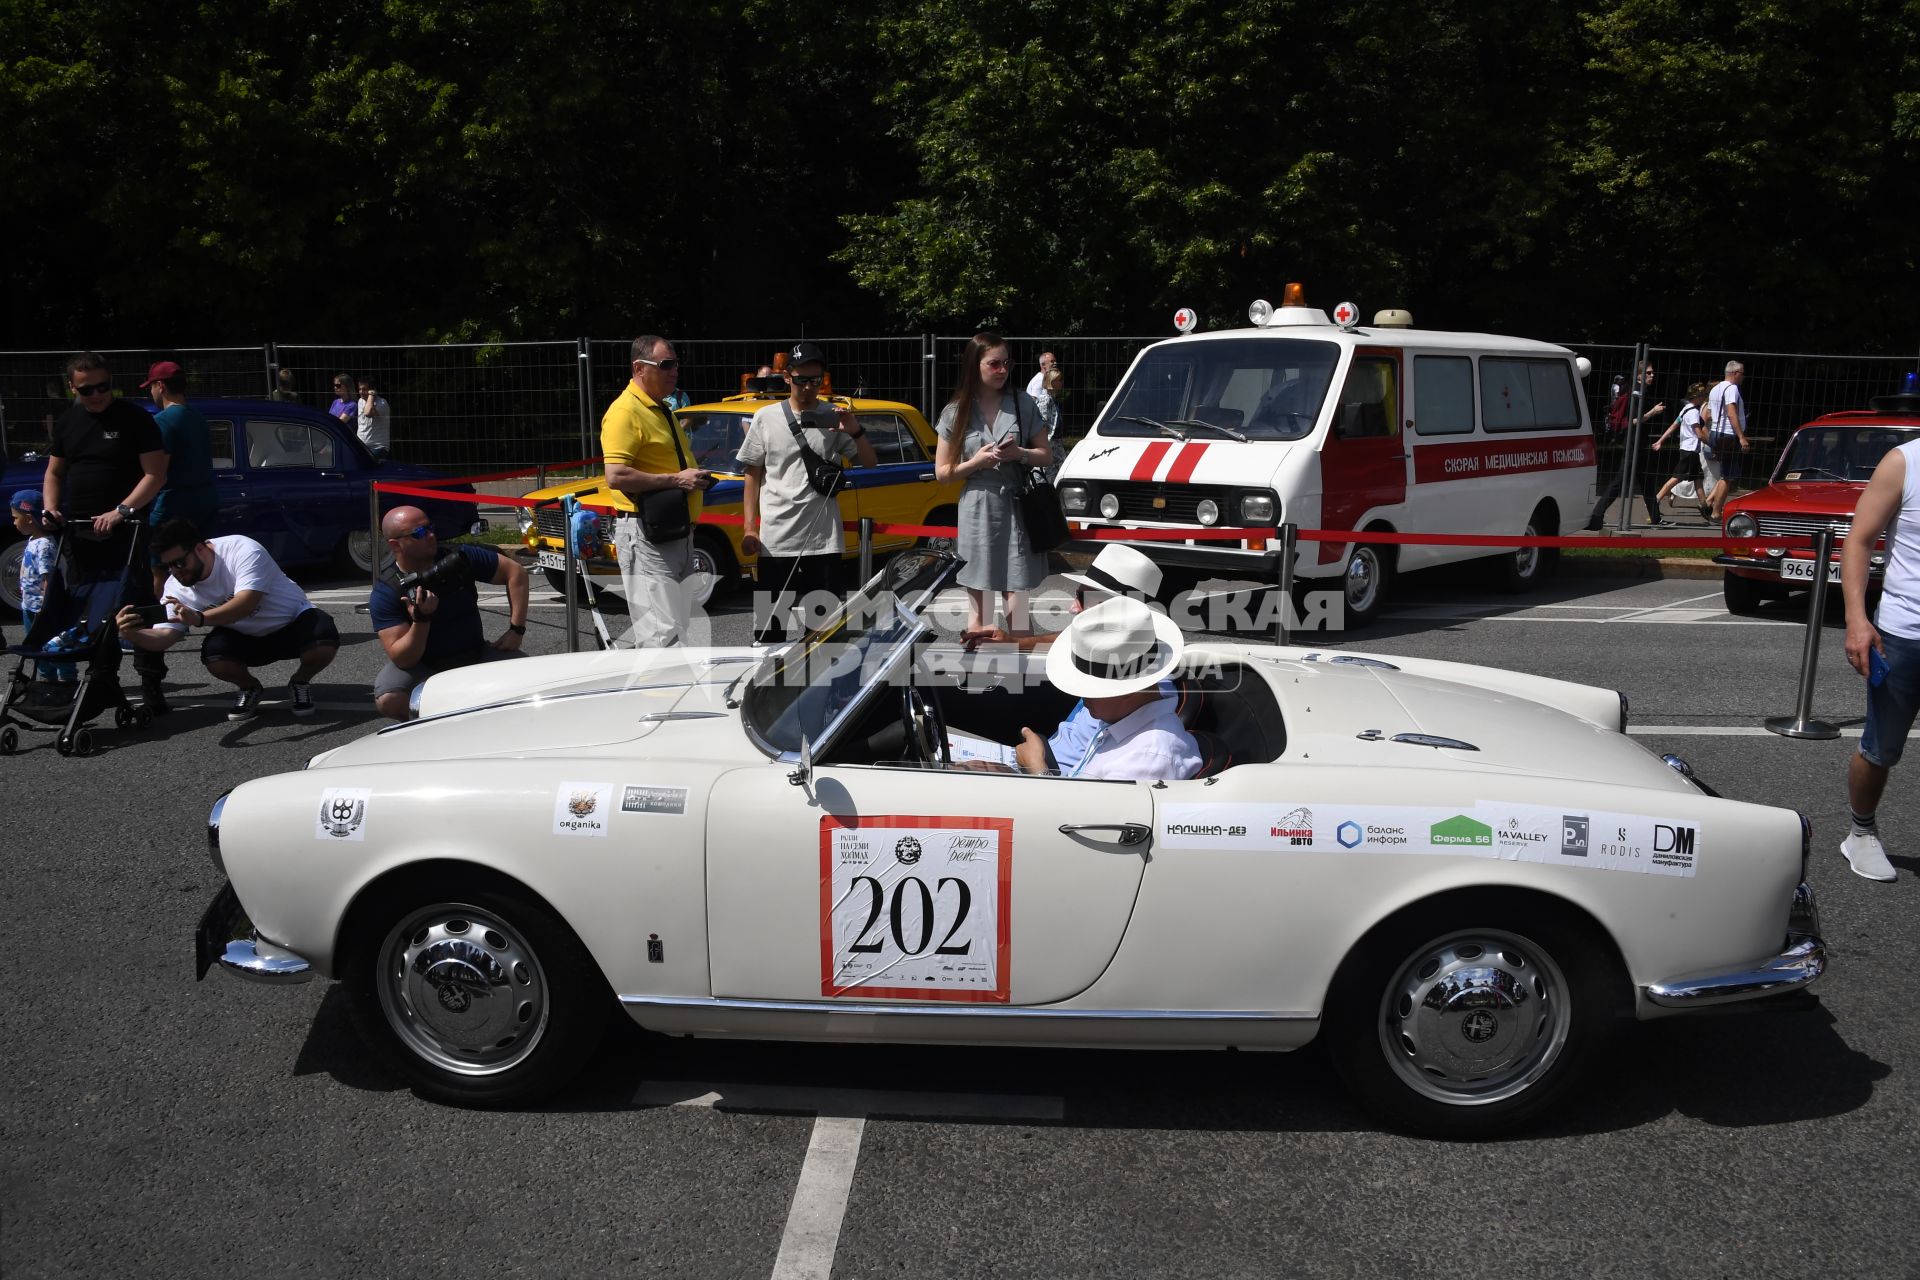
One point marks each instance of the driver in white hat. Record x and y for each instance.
(1114, 656)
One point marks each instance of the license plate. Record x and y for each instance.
(550, 560)
(1802, 570)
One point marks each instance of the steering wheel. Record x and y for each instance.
(926, 726)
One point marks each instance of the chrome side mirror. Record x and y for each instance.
(803, 775)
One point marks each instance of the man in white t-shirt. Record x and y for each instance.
(791, 526)
(1047, 389)
(375, 418)
(1727, 420)
(257, 614)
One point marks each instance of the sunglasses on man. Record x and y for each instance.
(421, 534)
(178, 563)
(93, 389)
(666, 366)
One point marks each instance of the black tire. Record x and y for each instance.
(1527, 567)
(122, 717)
(1520, 1020)
(1365, 582)
(9, 740)
(712, 553)
(353, 555)
(1742, 595)
(83, 742)
(11, 557)
(473, 990)
(941, 516)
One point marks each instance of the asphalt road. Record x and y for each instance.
(154, 1126)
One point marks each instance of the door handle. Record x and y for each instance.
(925, 477)
(1130, 832)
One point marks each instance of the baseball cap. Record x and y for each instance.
(806, 353)
(162, 369)
(27, 500)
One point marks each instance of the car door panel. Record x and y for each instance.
(900, 488)
(772, 847)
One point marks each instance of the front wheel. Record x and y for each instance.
(1453, 1028)
(713, 557)
(10, 559)
(355, 553)
(478, 996)
(1742, 595)
(1364, 582)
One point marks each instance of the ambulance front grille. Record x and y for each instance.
(1178, 503)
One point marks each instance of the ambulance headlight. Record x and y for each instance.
(1073, 498)
(1207, 512)
(1256, 508)
(1110, 505)
(1742, 526)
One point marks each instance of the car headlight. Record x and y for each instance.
(213, 832)
(1109, 505)
(524, 515)
(1073, 498)
(1742, 526)
(1256, 508)
(1207, 511)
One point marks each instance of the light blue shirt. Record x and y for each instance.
(1070, 741)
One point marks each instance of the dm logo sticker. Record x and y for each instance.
(581, 809)
(343, 814)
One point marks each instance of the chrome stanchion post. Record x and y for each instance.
(572, 582)
(866, 549)
(374, 542)
(1801, 724)
(1289, 541)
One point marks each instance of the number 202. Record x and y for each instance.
(877, 898)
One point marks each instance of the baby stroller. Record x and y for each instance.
(79, 613)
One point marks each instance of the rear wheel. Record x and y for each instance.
(948, 517)
(10, 558)
(1364, 582)
(474, 991)
(1472, 1018)
(714, 557)
(1527, 566)
(355, 553)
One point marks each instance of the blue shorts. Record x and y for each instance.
(1891, 707)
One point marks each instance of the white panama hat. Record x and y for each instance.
(1121, 571)
(1117, 647)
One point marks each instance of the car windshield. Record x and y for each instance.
(1840, 453)
(1252, 388)
(715, 438)
(806, 690)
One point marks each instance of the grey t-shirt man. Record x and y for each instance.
(794, 519)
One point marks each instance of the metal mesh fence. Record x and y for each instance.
(460, 406)
(33, 384)
(485, 406)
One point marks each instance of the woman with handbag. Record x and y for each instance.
(992, 435)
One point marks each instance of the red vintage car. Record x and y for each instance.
(1819, 478)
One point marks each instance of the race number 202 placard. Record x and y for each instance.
(916, 908)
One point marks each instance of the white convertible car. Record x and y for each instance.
(1461, 878)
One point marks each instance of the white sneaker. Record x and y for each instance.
(1864, 853)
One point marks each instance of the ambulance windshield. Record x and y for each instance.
(1252, 388)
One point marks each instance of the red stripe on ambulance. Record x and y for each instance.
(1149, 460)
(1182, 469)
(1437, 462)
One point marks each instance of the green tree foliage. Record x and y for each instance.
(1738, 172)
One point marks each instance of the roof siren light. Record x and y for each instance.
(1346, 315)
(1295, 295)
(1582, 366)
(1393, 318)
(1259, 313)
(1185, 321)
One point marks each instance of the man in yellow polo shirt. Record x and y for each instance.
(658, 491)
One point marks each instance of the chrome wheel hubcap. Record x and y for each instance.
(1475, 1017)
(1527, 559)
(462, 990)
(1363, 578)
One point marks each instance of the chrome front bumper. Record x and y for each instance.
(227, 938)
(1800, 963)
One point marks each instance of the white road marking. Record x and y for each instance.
(1670, 604)
(819, 1204)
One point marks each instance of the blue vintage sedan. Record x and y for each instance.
(288, 476)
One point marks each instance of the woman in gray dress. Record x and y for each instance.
(990, 434)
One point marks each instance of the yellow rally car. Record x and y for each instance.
(900, 489)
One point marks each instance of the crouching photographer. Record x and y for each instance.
(428, 616)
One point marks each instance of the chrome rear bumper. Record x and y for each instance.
(227, 938)
(1800, 963)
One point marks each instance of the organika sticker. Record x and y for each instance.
(581, 809)
(342, 814)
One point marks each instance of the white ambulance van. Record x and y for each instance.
(1331, 426)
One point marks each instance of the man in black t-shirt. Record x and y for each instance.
(105, 463)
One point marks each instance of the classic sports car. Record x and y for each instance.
(1460, 877)
(899, 489)
(289, 477)
(1817, 483)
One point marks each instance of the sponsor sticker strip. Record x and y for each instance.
(1594, 838)
(916, 908)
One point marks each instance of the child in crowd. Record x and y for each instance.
(35, 564)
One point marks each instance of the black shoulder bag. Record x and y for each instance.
(1040, 512)
(824, 477)
(665, 513)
